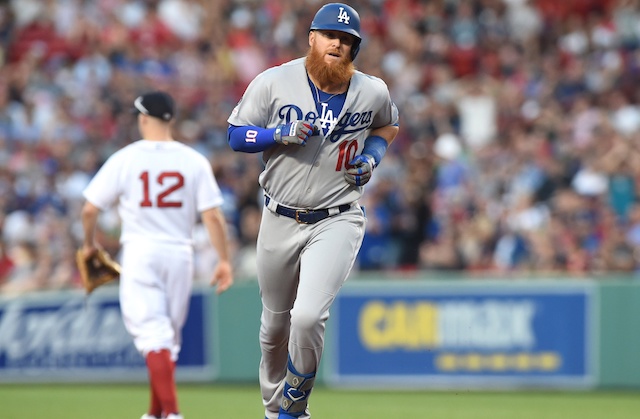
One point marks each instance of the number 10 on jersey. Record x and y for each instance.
(347, 152)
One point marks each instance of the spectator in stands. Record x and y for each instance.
(540, 98)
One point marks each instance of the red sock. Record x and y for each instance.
(155, 408)
(163, 385)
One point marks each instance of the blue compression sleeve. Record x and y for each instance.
(376, 147)
(250, 139)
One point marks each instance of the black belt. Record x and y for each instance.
(305, 216)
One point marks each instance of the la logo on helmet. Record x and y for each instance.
(343, 17)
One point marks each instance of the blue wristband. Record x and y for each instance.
(376, 147)
(250, 139)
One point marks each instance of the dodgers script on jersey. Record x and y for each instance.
(154, 191)
(312, 176)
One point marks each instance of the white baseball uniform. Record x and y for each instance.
(301, 267)
(159, 188)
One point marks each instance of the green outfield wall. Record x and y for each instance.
(613, 338)
(384, 331)
(619, 342)
(238, 317)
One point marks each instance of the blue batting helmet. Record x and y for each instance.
(339, 17)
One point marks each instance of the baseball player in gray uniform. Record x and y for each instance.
(323, 128)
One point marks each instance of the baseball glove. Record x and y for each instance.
(97, 270)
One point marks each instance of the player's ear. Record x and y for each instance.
(312, 36)
(144, 120)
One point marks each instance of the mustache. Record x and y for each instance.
(339, 72)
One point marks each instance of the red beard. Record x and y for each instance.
(325, 74)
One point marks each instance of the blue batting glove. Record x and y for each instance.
(360, 171)
(296, 132)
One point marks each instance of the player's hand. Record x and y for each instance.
(360, 169)
(222, 277)
(90, 249)
(296, 132)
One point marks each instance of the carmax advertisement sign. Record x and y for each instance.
(463, 335)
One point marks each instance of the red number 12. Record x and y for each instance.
(162, 201)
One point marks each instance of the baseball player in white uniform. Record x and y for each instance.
(323, 127)
(159, 186)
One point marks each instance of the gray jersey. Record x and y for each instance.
(312, 176)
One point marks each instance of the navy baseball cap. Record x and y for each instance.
(157, 104)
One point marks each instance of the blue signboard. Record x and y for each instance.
(65, 336)
(456, 335)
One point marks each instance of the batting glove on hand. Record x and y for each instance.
(296, 132)
(360, 171)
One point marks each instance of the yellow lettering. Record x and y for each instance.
(498, 362)
(426, 316)
(398, 325)
(549, 361)
(523, 362)
(399, 328)
(373, 326)
(446, 362)
(543, 361)
(474, 362)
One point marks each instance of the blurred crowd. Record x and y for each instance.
(518, 151)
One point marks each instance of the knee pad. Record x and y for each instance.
(297, 388)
